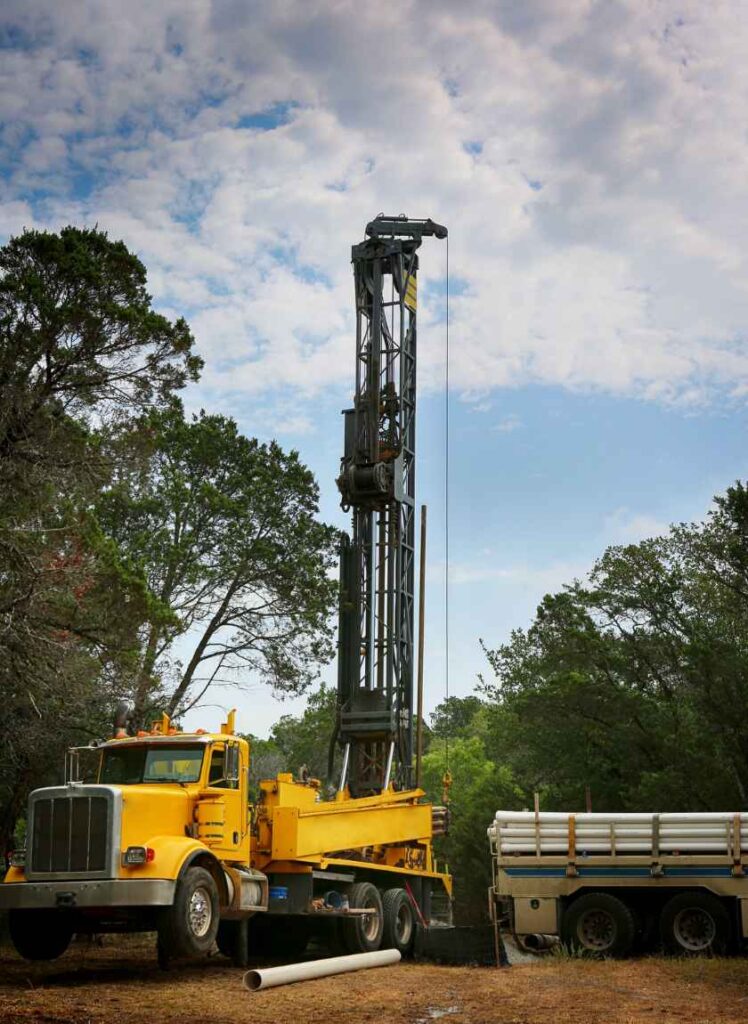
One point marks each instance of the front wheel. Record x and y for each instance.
(189, 926)
(694, 923)
(599, 924)
(40, 934)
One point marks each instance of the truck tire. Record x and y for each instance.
(40, 934)
(399, 921)
(599, 924)
(694, 923)
(363, 934)
(189, 926)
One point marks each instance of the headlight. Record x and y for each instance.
(138, 855)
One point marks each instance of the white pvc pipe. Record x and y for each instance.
(270, 977)
(582, 817)
(515, 832)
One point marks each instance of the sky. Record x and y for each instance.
(590, 161)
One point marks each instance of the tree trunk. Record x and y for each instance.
(144, 684)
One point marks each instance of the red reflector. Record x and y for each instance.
(150, 854)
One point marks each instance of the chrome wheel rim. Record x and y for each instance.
(596, 930)
(694, 929)
(404, 924)
(371, 922)
(200, 912)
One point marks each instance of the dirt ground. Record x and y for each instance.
(121, 983)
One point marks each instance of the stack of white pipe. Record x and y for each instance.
(523, 832)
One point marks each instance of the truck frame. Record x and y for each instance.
(607, 883)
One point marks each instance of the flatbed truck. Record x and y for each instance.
(607, 883)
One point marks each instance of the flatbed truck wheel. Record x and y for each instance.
(189, 926)
(694, 923)
(363, 933)
(40, 934)
(600, 924)
(399, 921)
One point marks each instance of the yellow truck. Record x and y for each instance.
(166, 840)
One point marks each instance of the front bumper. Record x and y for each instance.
(103, 893)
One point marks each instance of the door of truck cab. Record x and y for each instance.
(225, 785)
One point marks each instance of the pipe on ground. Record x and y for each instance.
(270, 977)
(535, 943)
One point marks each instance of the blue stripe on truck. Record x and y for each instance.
(643, 872)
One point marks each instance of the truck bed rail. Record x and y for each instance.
(557, 833)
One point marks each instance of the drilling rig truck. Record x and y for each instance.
(167, 839)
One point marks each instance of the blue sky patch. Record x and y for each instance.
(266, 120)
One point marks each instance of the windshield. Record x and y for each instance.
(130, 765)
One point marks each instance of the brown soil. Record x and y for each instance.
(121, 983)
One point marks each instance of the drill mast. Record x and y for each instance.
(377, 482)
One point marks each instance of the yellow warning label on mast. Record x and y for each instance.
(411, 293)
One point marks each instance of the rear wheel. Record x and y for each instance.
(190, 925)
(694, 923)
(363, 933)
(399, 921)
(599, 924)
(40, 934)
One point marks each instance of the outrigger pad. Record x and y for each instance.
(459, 944)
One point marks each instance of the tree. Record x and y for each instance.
(636, 682)
(481, 784)
(454, 716)
(226, 531)
(77, 332)
(298, 741)
(306, 740)
(80, 345)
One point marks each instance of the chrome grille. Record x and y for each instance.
(71, 831)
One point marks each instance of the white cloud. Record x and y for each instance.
(536, 579)
(508, 424)
(597, 216)
(626, 527)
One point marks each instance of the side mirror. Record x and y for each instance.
(232, 765)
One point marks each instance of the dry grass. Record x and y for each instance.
(121, 983)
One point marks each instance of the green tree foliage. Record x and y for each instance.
(298, 741)
(226, 532)
(636, 682)
(305, 740)
(462, 740)
(80, 346)
(454, 716)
